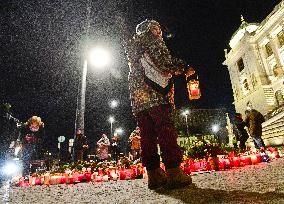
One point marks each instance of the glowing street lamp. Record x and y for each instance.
(118, 131)
(185, 113)
(215, 128)
(99, 58)
(114, 104)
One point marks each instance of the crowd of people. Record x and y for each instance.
(109, 149)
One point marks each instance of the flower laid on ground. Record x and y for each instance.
(204, 148)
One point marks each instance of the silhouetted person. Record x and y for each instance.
(240, 131)
(80, 145)
(253, 121)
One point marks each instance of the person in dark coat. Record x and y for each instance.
(240, 131)
(253, 121)
(80, 145)
(115, 147)
(31, 138)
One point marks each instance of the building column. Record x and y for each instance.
(263, 57)
(275, 49)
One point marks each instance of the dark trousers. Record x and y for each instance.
(115, 152)
(243, 141)
(79, 155)
(29, 154)
(136, 154)
(157, 128)
(258, 141)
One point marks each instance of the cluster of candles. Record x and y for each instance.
(73, 177)
(114, 174)
(230, 161)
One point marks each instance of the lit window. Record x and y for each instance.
(268, 49)
(240, 64)
(280, 37)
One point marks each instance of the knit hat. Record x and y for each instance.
(144, 26)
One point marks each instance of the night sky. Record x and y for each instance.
(42, 43)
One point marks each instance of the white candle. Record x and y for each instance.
(105, 178)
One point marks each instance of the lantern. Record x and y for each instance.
(193, 89)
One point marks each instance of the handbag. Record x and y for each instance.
(153, 76)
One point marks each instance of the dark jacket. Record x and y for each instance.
(239, 129)
(79, 141)
(253, 121)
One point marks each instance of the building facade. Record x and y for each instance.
(256, 67)
(256, 63)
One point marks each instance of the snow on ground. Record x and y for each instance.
(262, 183)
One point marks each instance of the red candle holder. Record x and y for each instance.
(88, 176)
(227, 163)
(63, 179)
(236, 161)
(81, 177)
(198, 166)
(258, 156)
(69, 180)
(247, 160)
(221, 164)
(122, 175)
(23, 183)
(187, 169)
(254, 159)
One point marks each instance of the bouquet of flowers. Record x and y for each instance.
(197, 150)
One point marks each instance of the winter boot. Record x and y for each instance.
(156, 178)
(177, 179)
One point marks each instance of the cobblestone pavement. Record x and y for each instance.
(262, 183)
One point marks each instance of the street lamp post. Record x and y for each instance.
(111, 120)
(81, 103)
(185, 114)
(99, 58)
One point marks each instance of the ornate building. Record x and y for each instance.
(256, 65)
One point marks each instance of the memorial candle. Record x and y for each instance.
(122, 175)
(254, 159)
(236, 161)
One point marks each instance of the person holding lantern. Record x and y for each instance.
(31, 137)
(103, 144)
(149, 58)
(115, 149)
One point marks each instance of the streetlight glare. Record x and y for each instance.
(185, 112)
(113, 103)
(99, 57)
(215, 128)
(111, 119)
(118, 131)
